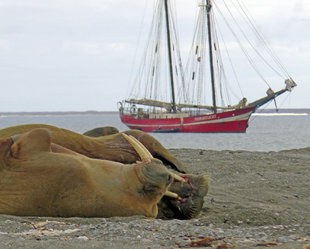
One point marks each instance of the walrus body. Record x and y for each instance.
(115, 148)
(101, 131)
(36, 181)
(110, 147)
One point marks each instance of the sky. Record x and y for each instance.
(77, 55)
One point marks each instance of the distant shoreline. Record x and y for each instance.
(55, 113)
(98, 113)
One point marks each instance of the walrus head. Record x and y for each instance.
(151, 172)
(101, 131)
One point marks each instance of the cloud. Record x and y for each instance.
(55, 4)
(74, 42)
(76, 5)
(5, 45)
(90, 48)
(93, 48)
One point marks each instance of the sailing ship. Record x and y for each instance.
(176, 102)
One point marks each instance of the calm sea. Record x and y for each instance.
(266, 132)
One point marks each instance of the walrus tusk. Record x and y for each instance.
(177, 177)
(173, 195)
(144, 154)
(142, 146)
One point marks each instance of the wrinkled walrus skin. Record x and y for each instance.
(116, 148)
(110, 147)
(192, 192)
(35, 181)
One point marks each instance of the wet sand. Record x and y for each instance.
(255, 200)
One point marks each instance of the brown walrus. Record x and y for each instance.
(111, 147)
(35, 181)
(192, 192)
(101, 131)
(116, 148)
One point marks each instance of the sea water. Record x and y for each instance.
(266, 132)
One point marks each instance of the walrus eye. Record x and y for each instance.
(150, 189)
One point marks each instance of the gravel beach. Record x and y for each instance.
(255, 200)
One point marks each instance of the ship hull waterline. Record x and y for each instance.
(235, 121)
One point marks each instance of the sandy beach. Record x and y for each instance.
(255, 200)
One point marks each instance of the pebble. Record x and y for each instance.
(84, 238)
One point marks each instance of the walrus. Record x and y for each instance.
(101, 131)
(36, 181)
(192, 193)
(117, 148)
(110, 147)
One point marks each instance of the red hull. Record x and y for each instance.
(231, 121)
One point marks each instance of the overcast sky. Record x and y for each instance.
(77, 55)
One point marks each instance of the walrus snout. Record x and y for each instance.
(191, 198)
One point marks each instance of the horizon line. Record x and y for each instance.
(94, 112)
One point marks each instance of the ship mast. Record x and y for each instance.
(208, 8)
(170, 57)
